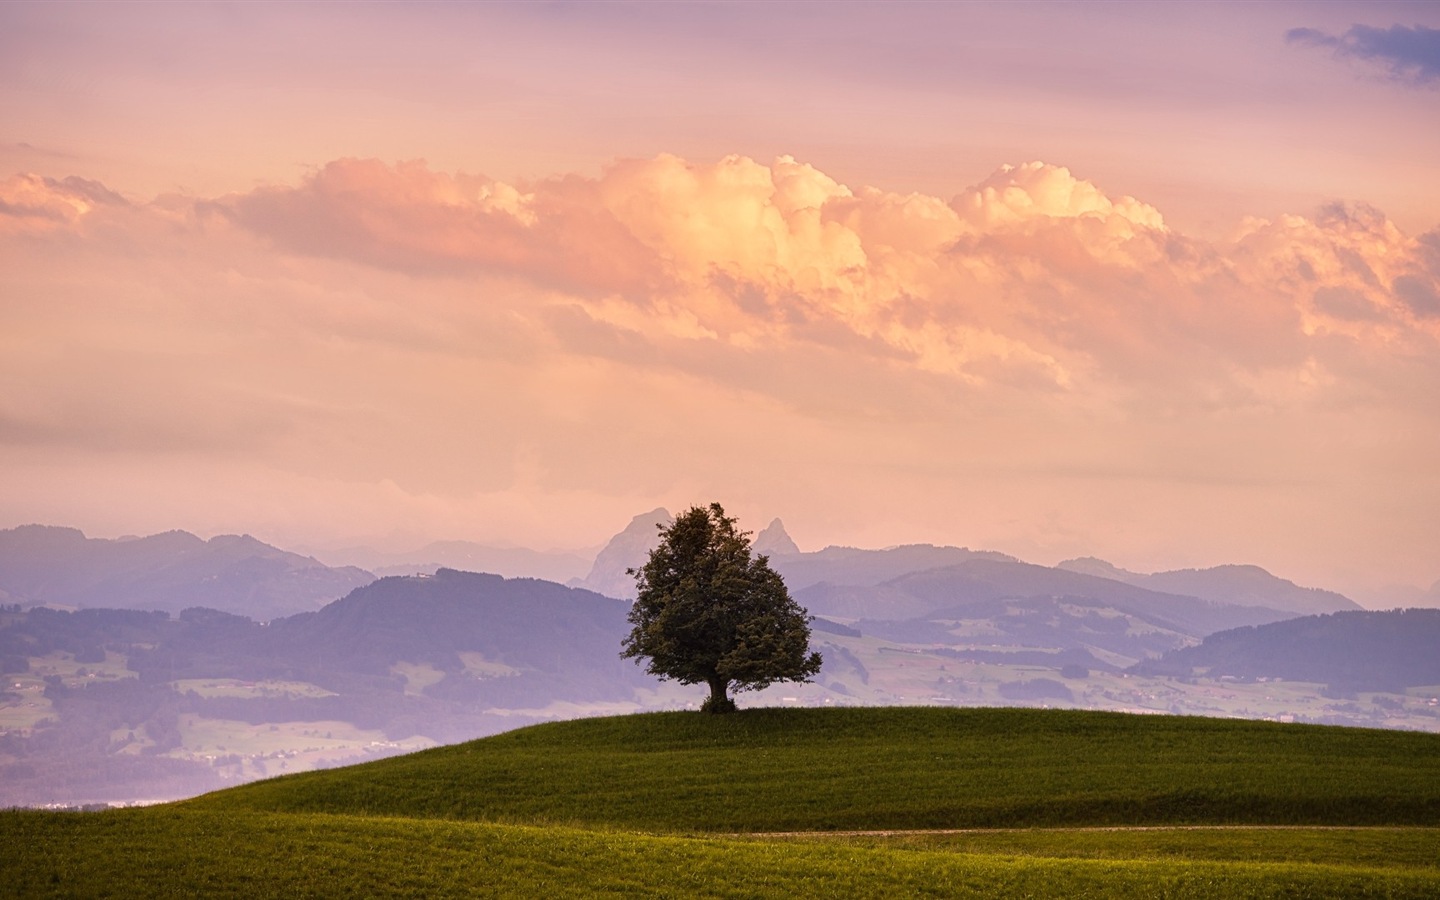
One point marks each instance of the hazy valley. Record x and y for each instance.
(159, 667)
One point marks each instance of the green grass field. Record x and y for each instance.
(757, 804)
(892, 768)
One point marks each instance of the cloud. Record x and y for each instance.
(1014, 194)
(418, 347)
(1419, 294)
(1410, 54)
(410, 218)
(36, 204)
(1032, 278)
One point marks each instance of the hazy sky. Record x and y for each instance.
(1155, 282)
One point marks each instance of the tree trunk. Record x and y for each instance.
(719, 701)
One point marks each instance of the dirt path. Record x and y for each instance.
(903, 832)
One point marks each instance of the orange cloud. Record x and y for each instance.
(412, 219)
(1031, 346)
(1013, 195)
(1032, 276)
(33, 204)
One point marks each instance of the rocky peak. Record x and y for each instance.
(774, 541)
(627, 550)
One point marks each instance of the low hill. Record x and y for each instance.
(770, 770)
(649, 806)
(491, 640)
(41, 564)
(1350, 651)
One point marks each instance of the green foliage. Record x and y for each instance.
(772, 770)
(718, 705)
(707, 612)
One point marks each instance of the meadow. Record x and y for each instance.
(854, 803)
(891, 768)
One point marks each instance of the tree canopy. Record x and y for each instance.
(708, 612)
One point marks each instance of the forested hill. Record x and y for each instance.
(1353, 651)
(506, 641)
(462, 636)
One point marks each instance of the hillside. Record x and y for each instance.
(172, 571)
(794, 803)
(1349, 651)
(482, 638)
(771, 770)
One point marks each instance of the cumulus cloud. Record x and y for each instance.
(727, 327)
(1418, 293)
(411, 218)
(1410, 54)
(1033, 276)
(1015, 194)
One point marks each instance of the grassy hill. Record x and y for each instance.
(771, 770)
(681, 804)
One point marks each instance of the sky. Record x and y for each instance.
(1153, 282)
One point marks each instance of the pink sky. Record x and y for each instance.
(1157, 283)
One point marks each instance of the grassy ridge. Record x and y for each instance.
(171, 852)
(1365, 848)
(896, 768)
(632, 805)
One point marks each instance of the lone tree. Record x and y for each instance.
(706, 611)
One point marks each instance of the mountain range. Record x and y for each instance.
(239, 574)
(1238, 585)
(45, 565)
(467, 556)
(848, 581)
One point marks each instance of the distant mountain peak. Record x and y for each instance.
(775, 541)
(627, 550)
(657, 516)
